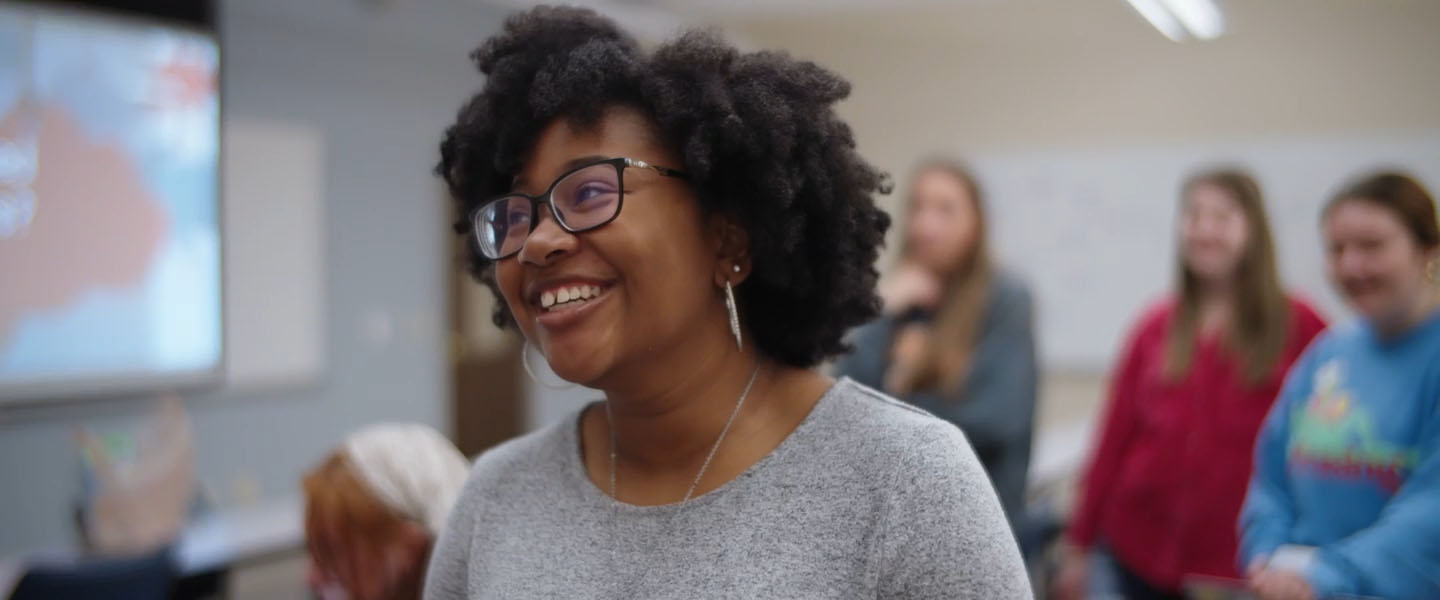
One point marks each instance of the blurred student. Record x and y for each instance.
(374, 507)
(1199, 372)
(1346, 494)
(956, 338)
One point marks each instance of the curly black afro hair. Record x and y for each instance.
(760, 141)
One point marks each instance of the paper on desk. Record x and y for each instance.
(142, 503)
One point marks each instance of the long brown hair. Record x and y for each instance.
(956, 327)
(1260, 322)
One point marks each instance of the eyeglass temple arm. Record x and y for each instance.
(640, 164)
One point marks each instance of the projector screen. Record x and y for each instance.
(109, 229)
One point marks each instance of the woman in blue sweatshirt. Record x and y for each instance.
(1345, 498)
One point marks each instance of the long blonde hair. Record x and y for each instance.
(1260, 323)
(956, 329)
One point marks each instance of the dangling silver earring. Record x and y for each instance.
(525, 362)
(734, 314)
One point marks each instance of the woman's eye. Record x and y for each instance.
(591, 191)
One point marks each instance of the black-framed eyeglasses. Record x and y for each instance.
(581, 199)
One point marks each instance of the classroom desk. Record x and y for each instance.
(209, 547)
(212, 546)
(231, 536)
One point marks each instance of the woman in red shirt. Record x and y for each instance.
(1166, 481)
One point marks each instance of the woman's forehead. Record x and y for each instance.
(620, 131)
(1365, 214)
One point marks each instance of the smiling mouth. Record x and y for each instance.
(569, 297)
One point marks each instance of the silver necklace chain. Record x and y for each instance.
(610, 423)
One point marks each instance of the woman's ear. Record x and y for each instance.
(732, 250)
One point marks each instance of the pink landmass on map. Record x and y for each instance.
(96, 224)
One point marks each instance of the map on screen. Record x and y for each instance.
(109, 235)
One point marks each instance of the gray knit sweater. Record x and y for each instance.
(867, 498)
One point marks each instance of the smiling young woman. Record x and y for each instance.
(1347, 468)
(691, 231)
(1200, 371)
(957, 337)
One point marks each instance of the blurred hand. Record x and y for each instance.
(1074, 576)
(906, 351)
(910, 344)
(910, 286)
(1275, 584)
(1256, 566)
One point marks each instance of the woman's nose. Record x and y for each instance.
(548, 242)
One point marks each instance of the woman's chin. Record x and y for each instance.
(577, 356)
(1370, 306)
(578, 370)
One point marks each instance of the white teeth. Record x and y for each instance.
(553, 299)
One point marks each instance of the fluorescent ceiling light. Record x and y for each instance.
(1182, 19)
(1160, 17)
(1201, 17)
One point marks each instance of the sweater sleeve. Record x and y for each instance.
(1115, 433)
(1398, 556)
(945, 535)
(1269, 511)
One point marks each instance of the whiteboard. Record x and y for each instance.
(274, 261)
(1092, 230)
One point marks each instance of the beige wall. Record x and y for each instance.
(1043, 73)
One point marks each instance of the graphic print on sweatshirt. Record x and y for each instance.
(1334, 437)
